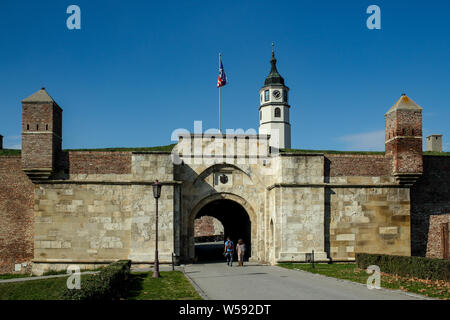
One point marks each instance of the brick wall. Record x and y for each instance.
(408, 155)
(38, 150)
(16, 215)
(338, 165)
(41, 134)
(403, 132)
(95, 162)
(207, 226)
(430, 199)
(434, 244)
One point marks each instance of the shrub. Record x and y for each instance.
(419, 267)
(111, 283)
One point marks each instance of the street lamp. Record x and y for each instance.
(156, 194)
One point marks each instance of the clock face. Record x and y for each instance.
(276, 94)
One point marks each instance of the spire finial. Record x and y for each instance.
(273, 49)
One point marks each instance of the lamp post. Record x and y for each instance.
(156, 194)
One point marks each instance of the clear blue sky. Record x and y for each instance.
(137, 70)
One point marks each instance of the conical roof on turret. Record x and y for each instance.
(405, 103)
(274, 77)
(41, 96)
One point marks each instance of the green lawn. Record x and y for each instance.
(350, 271)
(172, 285)
(13, 276)
(46, 289)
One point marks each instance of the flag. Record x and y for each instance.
(222, 80)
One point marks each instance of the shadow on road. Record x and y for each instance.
(209, 252)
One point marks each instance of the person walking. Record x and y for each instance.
(228, 251)
(240, 249)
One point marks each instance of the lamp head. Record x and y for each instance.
(156, 189)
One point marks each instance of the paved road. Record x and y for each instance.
(220, 282)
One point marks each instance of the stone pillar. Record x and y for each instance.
(434, 143)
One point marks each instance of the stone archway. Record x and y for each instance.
(235, 213)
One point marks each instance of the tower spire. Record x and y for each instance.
(274, 76)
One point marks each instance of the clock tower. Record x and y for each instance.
(274, 109)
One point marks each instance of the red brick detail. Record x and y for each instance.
(435, 237)
(37, 151)
(340, 165)
(95, 162)
(16, 215)
(408, 156)
(41, 135)
(403, 132)
(204, 227)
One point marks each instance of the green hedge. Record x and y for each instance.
(419, 267)
(109, 284)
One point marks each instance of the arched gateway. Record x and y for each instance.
(235, 213)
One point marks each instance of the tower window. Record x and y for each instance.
(28, 127)
(260, 115)
(37, 127)
(46, 127)
(285, 97)
(266, 95)
(277, 112)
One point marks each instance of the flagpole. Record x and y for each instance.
(220, 122)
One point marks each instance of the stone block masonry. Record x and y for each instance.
(370, 220)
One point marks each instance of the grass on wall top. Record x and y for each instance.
(330, 151)
(168, 148)
(10, 152)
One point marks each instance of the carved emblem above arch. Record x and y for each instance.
(218, 168)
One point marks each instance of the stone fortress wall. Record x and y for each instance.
(93, 207)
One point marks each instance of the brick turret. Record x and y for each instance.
(404, 140)
(41, 134)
